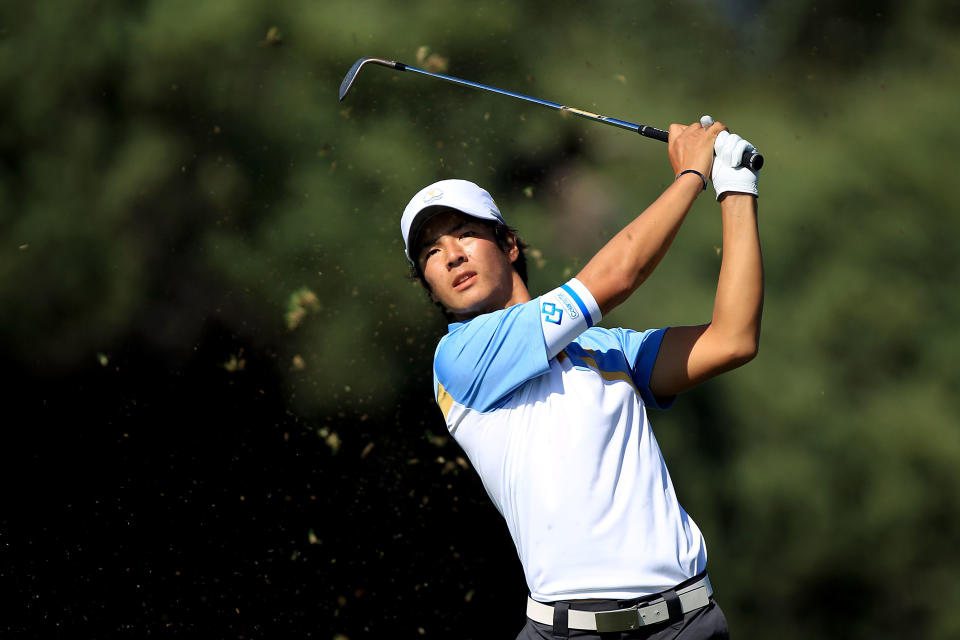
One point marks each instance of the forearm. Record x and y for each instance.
(631, 256)
(739, 301)
(692, 354)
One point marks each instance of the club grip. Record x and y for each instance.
(751, 157)
(652, 132)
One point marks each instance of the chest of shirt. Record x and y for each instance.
(576, 410)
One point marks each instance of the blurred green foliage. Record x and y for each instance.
(168, 164)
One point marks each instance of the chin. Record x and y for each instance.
(474, 302)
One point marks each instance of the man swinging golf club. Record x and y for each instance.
(551, 409)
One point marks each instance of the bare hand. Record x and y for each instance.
(691, 146)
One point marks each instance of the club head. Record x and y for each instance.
(355, 69)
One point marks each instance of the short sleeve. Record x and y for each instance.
(482, 361)
(641, 349)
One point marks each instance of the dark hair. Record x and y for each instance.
(501, 234)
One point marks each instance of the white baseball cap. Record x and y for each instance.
(461, 195)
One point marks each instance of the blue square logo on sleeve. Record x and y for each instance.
(551, 313)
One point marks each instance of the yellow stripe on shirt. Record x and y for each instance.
(611, 376)
(444, 399)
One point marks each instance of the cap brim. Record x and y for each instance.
(416, 228)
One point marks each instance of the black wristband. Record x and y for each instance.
(702, 177)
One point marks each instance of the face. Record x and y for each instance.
(467, 271)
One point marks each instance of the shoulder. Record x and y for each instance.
(474, 335)
(491, 342)
(619, 338)
(481, 362)
(598, 337)
(638, 349)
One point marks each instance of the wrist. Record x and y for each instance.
(738, 205)
(734, 196)
(693, 173)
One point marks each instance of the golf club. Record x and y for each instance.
(751, 158)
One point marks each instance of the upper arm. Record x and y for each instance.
(689, 356)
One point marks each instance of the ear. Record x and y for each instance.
(512, 251)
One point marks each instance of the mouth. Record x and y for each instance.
(464, 280)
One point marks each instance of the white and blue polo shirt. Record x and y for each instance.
(551, 411)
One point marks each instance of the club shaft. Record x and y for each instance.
(751, 158)
(642, 129)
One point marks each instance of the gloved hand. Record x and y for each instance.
(728, 175)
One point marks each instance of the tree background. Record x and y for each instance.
(218, 408)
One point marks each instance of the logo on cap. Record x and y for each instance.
(433, 194)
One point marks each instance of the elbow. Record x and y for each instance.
(733, 346)
(622, 281)
(743, 351)
(622, 285)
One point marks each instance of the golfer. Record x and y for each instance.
(551, 409)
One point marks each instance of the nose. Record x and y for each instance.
(454, 252)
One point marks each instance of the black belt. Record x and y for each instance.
(664, 607)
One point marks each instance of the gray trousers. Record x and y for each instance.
(706, 623)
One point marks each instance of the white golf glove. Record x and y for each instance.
(728, 175)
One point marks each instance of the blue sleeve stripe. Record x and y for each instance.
(583, 307)
(643, 368)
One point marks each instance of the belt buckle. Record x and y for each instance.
(619, 620)
(654, 613)
(634, 617)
